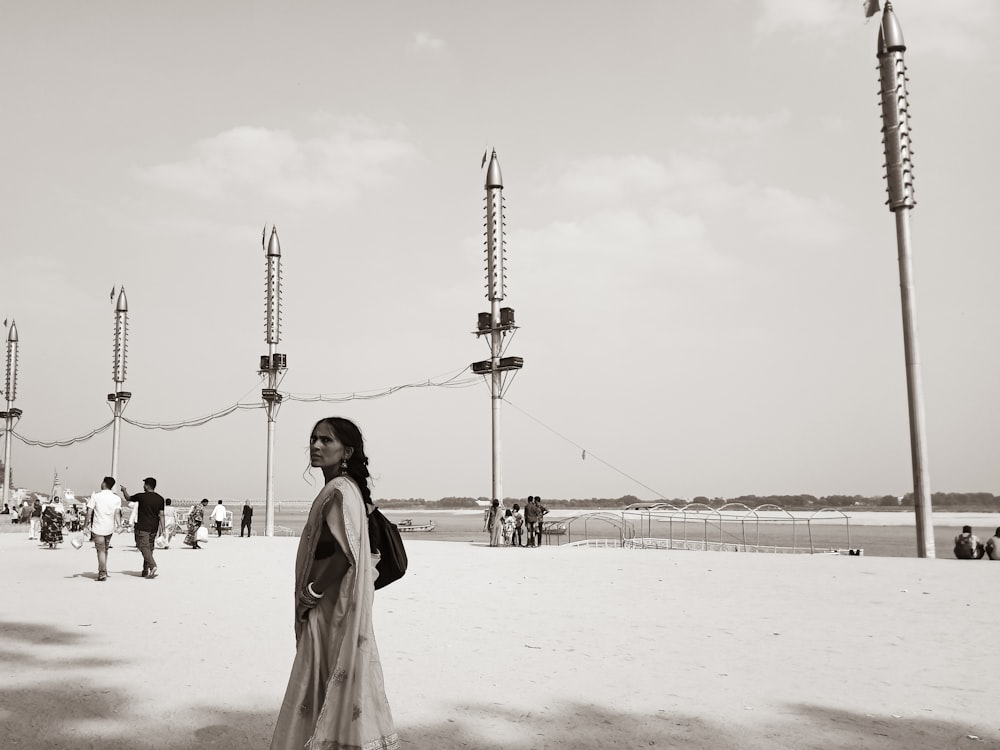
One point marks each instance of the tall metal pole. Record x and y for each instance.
(272, 364)
(119, 399)
(496, 280)
(899, 177)
(11, 415)
(499, 321)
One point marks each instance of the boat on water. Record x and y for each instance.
(407, 525)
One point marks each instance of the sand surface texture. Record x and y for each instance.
(512, 648)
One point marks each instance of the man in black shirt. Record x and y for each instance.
(247, 518)
(149, 520)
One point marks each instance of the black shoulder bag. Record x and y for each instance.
(385, 539)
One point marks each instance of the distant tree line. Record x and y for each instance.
(957, 501)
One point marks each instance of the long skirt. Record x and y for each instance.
(52, 524)
(191, 538)
(363, 719)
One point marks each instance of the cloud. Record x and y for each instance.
(625, 254)
(960, 29)
(797, 220)
(743, 124)
(611, 179)
(425, 42)
(332, 168)
(678, 217)
(795, 15)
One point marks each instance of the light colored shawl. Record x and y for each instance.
(355, 712)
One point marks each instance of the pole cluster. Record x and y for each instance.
(272, 364)
(899, 184)
(499, 321)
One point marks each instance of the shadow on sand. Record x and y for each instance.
(590, 727)
(72, 710)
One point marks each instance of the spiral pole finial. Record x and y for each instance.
(120, 354)
(272, 292)
(11, 381)
(496, 273)
(896, 133)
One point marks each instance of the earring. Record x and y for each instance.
(343, 465)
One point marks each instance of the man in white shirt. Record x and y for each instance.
(104, 513)
(219, 515)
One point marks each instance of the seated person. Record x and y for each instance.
(968, 546)
(992, 548)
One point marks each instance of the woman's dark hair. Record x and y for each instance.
(349, 434)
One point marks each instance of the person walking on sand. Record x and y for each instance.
(219, 516)
(247, 518)
(336, 694)
(104, 515)
(993, 546)
(170, 517)
(149, 521)
(53, 515)
(195, 517)
(518, 538)
(968, 546)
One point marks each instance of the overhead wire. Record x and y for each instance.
(62, 443)
(584, 452)
(450, 381)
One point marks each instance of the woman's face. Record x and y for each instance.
(325, 448)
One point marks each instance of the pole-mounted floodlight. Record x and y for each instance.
(272, 364)
(11, 415)
(119, 399)
(899, 179)
(499, 321)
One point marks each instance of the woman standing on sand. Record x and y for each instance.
(52, 523)
(195, 516)
(493, 523)
(335, 696)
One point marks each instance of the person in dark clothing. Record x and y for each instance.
(541, 510)
(247, 518)
(149, 521)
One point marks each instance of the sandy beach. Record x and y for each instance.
(555, 647)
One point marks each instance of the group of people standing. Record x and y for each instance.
(506, 526)
(45, 520)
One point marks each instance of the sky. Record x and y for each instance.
(699, 255)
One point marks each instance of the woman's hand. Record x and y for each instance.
(307, 601)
